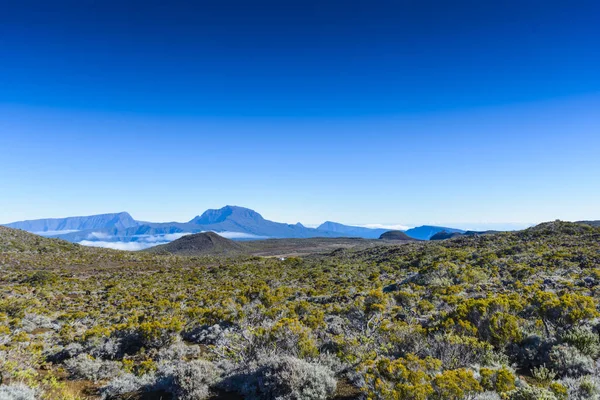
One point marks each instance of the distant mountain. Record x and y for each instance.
(208, 243)
(249, 222)
(395, 235)
(425, 232)
(102, 221)
(239, 214)
(352, 231)
(234, 222)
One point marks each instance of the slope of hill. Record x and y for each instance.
(207, 243)
(15, 240)
(353, 231)
(590, 223)
(395, 235)
(425, 232)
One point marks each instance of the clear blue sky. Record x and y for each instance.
(404, 112)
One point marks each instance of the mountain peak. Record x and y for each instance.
(213, 216)
(328, 226)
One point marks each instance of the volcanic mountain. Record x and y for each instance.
(207, 243)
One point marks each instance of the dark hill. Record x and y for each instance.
(206, 243)
(425, 232)
(443, 235)
(395, 235)
(557, 227)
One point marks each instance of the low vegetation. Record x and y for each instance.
(500, 316)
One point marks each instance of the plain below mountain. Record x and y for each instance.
(211, 244)
(443, 235)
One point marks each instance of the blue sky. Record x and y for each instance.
(360, 112)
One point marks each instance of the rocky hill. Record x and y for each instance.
(206, 243)
(396, 235)
(443, 235)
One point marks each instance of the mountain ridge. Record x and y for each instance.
(367, 233)
(234, 222)
(121, 220)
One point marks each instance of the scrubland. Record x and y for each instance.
(503, 316)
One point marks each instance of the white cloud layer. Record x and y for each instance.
(169, 237)
(130, 246)
(240, 235)
(391, 227)
(98, 236)
(53, 233)
(98, 239)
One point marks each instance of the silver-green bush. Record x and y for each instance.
(17, 391)
(86, 367)
(531, 393)
(568, 361)
(289, 378)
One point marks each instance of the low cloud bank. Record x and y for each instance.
(54, 233)
(240, 235)
(159, 239)
(130, 246)
(138, 242)
(141, 242)
(98, 236)
(391, 227)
